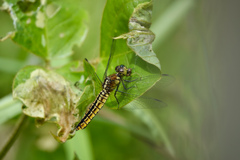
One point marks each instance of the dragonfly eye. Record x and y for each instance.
(129, 72)
(120, 68)
(117, 68)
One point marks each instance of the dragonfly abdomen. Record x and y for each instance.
(93, 109)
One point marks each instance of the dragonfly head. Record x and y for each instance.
(123, 71)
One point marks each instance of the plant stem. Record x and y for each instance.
(14, 136)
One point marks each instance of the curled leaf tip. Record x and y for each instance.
(140, 38)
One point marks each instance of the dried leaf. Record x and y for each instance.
(47, 96)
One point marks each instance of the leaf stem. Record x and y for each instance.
(14, 136)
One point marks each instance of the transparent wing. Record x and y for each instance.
(131, 94)
(91, 73)
(166, 80)
(109, 59)
(142, 102)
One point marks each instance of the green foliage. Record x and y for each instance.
(51, 21)
(40, 25)
(50, 29)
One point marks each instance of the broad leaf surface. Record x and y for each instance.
(48, 29)
(72, 71)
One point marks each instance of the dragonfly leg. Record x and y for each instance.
(126, 87)
(115, 95)
(130, 80)
(125, 92)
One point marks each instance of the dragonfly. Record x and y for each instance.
(111, 83)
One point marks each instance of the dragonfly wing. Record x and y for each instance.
(135, 85)
(141, 102)
(166, 80)
(91, 73)
(109, 59)
(145, 103)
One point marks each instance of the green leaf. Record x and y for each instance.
(48, 29)
(114, 23)
(140, 38)
(72, 71)
(23, 75)
(47, 96)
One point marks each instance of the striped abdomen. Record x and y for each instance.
(93, 109)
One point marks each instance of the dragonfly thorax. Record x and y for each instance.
(111, 82)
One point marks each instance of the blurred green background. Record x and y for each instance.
(196, 42)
